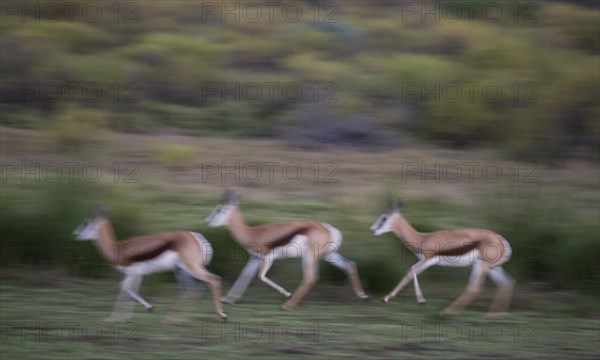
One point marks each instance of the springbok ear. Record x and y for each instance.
(227, 195)
(230, 197)
(101, 211)
(235, 199)
(399, 203)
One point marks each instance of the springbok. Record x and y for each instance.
(310, 240)
(484, 249)
(184, 251)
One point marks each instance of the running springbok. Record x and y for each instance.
(185, 251)
(310, 240)
(484, 249)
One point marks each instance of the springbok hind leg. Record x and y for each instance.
(310, 271)
(191, 290)
(349, 267)
(503, 295)
(215, 286)
(194, 268)
(473, 288)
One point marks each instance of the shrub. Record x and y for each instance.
(135, 122)
(23, 117)
(549, 242)
(321, 126)
(76, 127)
(176, 156)
(580, 25)
(37, 233)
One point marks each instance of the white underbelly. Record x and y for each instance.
(459, 260)
(166, 261)
(292, 250)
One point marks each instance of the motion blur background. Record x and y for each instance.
(479, 114)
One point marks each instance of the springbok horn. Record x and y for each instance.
(227, 195)
(399, 203)
(101, 211)
(388, 202)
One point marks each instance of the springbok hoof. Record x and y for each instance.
(287, 294)
(422, 302)
(223, 316)
(385, 300)
(287, 307)
(150, 308)
(448, 311)
(364, 296)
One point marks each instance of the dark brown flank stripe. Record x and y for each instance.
(133, 257)
(287, 238)
(458, 251)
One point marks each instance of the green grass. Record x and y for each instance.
(63, 317)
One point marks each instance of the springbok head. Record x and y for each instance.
(220, 215)
(88, 230)
(384, 222)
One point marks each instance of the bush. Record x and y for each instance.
(76, 127)
(549, 242)
(23, 117)
(38, 233)
(312, 127)
(459, 124)
(579, 24)
(135, 122)
(176, 156)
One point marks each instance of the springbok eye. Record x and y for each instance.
(383, 219)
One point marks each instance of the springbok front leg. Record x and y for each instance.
(215, 286)
(349, 267)
(418, 292)
(131, 285)
(199, 272)
(415, 270)
(123, 308)
(310, 275)
(476, 280)
(265, 264)
(241, 284)
(191, 290)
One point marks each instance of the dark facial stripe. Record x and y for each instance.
(382, 221)
(459, 250)
(282, 241)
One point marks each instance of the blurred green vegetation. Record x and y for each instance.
(161, 71)
(176, 155)
(550, 244)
